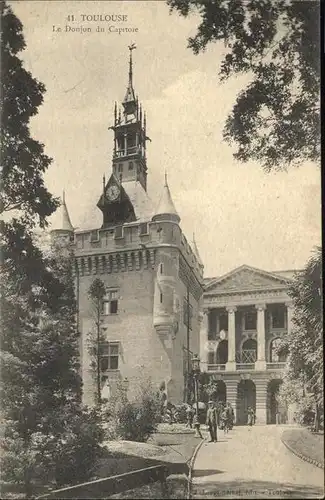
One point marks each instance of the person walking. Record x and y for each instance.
(231, 416)
(196, 423)
(189, 416)
(212, 422)
(250, 416)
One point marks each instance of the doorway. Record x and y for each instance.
(246, 399)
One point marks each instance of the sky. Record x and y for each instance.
(239, 214)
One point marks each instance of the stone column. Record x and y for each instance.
(231, 365)
(261, 401)
(232, 395)
(204, 324)
(289, 316)
(260, 362)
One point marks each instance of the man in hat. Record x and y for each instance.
(212, 422)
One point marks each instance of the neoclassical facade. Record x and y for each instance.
(245, 314)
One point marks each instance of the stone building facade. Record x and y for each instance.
(153, 277)
(246, 312)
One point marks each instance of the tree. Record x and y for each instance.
(275, 119)
(304, 344)
(96, 294)
(41, 411)
(23, 160)
(48, 436)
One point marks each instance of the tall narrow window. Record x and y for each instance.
(161, 297)
(250, 321)
(109, 356)
(110, 303)
(161, 269)
(118, 233)
(187, 313)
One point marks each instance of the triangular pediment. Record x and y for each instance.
(245, 278)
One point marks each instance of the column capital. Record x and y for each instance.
(231, 309)
(206, 310)
(260, 307)
(289, 304)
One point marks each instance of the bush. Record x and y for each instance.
(133, 421)
(75, 455)
(180, 413)
(64, 458)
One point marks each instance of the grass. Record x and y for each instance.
(308, 444)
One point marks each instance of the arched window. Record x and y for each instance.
(275, 357)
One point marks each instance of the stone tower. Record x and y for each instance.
(152, 276)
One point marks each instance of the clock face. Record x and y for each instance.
(112, 193)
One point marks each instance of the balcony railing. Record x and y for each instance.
(216, 368)
(245, 366)
(246, 356)
(275, 366)
(127, 152)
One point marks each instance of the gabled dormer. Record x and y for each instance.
(115, 203)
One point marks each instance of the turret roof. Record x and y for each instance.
(63, 218)
(196, 251)
(166, 205)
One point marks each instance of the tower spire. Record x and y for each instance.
(129, 102)
(131, 47)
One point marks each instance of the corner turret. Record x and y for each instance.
(166, 209)
(64, 229)
(196, 253)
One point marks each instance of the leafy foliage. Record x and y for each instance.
(23, 159)
(96, 294)
(44, 425)
(134, 420)
(275, 119)
(304, 344)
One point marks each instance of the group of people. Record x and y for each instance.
(219, 415)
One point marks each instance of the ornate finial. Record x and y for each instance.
(63, 196)
(166, 183)
(131, 47)
(115, 113)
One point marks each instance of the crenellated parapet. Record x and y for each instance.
(116, 262)
(134, 243)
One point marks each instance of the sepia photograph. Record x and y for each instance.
(161, 251)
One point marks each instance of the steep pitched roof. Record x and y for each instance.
(63, 221)
(142, 204)
(166, 205)
(196, 251)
